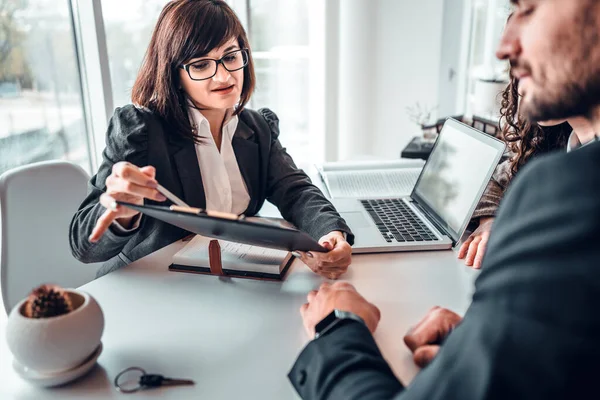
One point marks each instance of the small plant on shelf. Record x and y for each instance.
(421, 115)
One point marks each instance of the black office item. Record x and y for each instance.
(145, 381)
(417, 148)
(230, 227)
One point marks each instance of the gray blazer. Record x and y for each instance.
(141, 137)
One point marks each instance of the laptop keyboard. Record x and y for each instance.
(397, 221)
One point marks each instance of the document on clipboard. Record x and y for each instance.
(237, 260)
(225, 226)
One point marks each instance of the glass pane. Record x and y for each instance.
(279, 35)
(483, 57)
(128, 26)
(487, 75)
(282, 85)
(275, 23)
(41, 112)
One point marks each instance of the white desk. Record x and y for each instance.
(238, 338)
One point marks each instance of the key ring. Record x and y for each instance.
(120, 385)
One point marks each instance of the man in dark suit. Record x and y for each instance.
(533, 328)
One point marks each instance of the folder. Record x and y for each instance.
(230, 227)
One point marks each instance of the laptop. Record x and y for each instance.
(441, 204)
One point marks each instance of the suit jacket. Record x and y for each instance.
(533, 328)
(142, 138)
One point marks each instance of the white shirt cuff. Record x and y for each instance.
(120, 229)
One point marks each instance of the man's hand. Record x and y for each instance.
(333, 263)
(473, 249)
(342, 296)
(424, 338)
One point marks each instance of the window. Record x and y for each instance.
(487, 76)
(279, 37)
(283, 35)
(128, 25)
(41, 113)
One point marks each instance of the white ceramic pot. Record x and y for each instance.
(57, 343)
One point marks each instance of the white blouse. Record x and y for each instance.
(224, 186)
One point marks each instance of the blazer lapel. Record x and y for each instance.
(247, 153)
(248, 158)
(188, 169)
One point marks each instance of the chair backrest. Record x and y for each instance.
(489, 126)
(37, 203)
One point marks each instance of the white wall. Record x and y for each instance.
(389, 59)
(358, 57)
(454, 57)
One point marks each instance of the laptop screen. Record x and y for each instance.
(456, 175)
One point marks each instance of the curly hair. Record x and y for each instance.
(527, 139)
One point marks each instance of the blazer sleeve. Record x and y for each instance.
(126, 140)
(531, 331)
(344, 364)
(292, 191)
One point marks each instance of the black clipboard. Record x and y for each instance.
(230, 227)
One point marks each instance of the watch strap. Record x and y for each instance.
(334, 320)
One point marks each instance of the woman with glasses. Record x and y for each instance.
(188, 129)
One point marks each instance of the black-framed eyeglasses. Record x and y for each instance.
(207, 67)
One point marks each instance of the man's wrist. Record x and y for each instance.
(334, 320)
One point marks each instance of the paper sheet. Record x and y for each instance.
(234, 256)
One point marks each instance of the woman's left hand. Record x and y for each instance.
(333, 263)
(473, 249)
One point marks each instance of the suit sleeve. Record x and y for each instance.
(126, 140)
(345, 364)
(292, 191)
(531, 331)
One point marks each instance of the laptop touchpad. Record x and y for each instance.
(356, 220)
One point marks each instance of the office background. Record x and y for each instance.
(348, 78)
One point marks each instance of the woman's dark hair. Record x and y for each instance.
(186, 29)
(527, 139)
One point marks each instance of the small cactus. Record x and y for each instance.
(47, 301)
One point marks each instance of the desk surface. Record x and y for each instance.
(238, 338)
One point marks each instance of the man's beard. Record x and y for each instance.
(573, 99)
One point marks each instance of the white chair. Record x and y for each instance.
(37, 203)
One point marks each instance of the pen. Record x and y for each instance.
(162, 190)
(218, 214)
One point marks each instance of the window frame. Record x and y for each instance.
(94, 70)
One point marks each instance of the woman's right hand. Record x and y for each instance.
(129, 183)
(473, 249)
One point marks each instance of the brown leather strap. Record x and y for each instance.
(214, 256)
